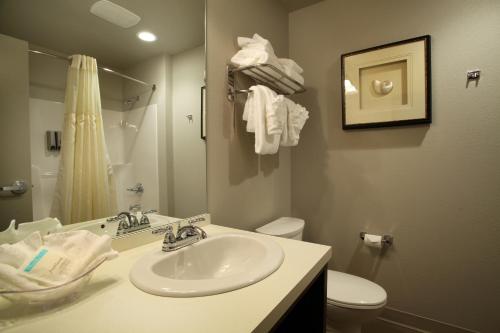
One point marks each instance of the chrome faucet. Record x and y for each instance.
(128, 222)
(186, 235)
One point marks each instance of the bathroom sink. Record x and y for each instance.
(214, 265)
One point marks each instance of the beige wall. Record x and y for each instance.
(244, 190)
(14, 128)
(48, 81)
(157, 70)
(435, 188)
(189, 157)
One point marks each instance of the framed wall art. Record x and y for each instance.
(387, 85)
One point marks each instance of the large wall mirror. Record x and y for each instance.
(90, 144)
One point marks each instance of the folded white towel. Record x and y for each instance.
(256, 42)
(297, 77)
(290, 66)
(258, 104)
(292, 69)
(254, 51)
(247, 57)
(258, 50)
(44, 261)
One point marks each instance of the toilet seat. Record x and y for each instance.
(349, 291)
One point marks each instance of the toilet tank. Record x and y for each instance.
(286, 227)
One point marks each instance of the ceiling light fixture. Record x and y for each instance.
(114, 13)
(146, 36)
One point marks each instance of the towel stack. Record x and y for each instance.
(258, 50)
(275, 119)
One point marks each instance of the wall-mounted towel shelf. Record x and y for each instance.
(264, 74)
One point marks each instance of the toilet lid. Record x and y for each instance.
(283, 227)
(354, 292)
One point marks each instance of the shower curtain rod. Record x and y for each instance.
(152, 85)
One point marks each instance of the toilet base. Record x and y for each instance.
(347, 320)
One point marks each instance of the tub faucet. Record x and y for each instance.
(186, 235)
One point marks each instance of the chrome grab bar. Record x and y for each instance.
(18, 187)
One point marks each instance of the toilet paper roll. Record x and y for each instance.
(373, 241)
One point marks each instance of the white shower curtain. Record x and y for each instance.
(85, 188)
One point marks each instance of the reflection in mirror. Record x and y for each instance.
(104, 109)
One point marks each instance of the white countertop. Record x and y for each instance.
(110, 303)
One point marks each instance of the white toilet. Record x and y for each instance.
(351, 300)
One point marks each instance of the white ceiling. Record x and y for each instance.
(67, 26)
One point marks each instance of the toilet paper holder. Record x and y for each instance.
(387, 240)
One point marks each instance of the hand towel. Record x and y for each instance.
(276, 116)
(248, 115)
(259, 102)
(44, 261)
(296, 116)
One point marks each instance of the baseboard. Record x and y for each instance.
(397, 321)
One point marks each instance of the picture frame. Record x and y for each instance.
(387, 85)
(203, 117)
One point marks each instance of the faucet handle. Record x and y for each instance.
(169, 236)
(145, 218)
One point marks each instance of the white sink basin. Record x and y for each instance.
(214, 265)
